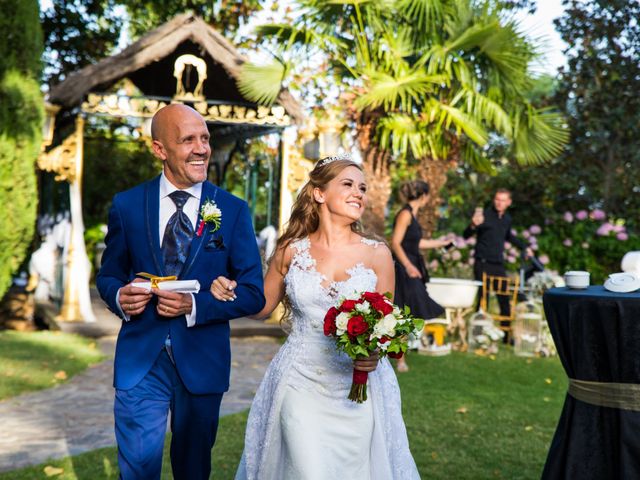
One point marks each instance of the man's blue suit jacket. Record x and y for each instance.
(202, 353)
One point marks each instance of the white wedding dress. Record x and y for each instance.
(301, 425)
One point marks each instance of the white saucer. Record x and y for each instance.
(624, 282)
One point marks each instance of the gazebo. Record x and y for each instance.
(182, 61)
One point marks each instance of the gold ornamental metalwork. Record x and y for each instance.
(141, 107)
(61, 160)
(178, 69)
(299, 169)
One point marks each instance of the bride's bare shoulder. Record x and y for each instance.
(379, 251)
(282, 257)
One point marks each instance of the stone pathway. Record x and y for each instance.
(78, 416)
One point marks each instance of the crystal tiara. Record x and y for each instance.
(328, 160)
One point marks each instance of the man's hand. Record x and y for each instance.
(173, 304)
(528, 253)
(367, 364)
(133, 300)
(478, 217)
(223, 289)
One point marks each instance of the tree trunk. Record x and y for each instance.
(375, 163)
(378, 192)
(434, 172)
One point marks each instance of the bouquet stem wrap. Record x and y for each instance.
(358, 391)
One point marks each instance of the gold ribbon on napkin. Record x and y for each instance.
(625, 396)
(154, 279)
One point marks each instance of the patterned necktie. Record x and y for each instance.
(177, 236)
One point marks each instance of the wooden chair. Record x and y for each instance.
(505, 286)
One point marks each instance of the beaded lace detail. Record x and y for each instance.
(308, 361)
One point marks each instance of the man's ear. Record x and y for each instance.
(318, 195)
(158, 150)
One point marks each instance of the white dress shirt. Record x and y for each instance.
(167, 209)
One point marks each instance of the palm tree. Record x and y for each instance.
(430, 80)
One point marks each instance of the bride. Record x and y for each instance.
(301, 425)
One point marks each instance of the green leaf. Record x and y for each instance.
(262, 83)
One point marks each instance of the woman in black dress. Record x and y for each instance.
(411, 272)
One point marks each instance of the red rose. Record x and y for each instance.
(395, 354)
(348, 306)
(383, 339)
(373, 297)
(383, 307)
(356, 326)
(330, 321)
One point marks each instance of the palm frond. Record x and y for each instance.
(388, 90)
(474, 157)
(262, 83)
(486, 110)
(539, 136)
(400, 134)
(290, 36)
(463, 123)
(422, 14)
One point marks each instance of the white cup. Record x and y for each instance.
(576, 279)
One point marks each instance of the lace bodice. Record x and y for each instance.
(309, 294)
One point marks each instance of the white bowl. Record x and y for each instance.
(453, 292)
(576, 279)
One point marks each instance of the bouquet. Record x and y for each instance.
(368, 322)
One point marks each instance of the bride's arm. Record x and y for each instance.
(222, 288)
(383, 266)
(274, 282)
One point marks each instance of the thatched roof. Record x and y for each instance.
(182, 32)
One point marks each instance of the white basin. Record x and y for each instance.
(453, 292)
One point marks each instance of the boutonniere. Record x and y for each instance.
(209, 213)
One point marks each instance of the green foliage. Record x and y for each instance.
(444, 74)
(576, 239)
(21, 39)
(588, 241)
(21, 115)
(599, 93)
(224, 15)
(113, 162)
(30, 360)
(77, 33)
(93, 236)
(462, 412)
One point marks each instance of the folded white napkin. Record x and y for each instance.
(622, 282)
(180, 286)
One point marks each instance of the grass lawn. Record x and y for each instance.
(35, 360)
(468, 417)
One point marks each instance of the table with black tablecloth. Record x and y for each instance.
(597, 335)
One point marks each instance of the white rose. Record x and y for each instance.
(390, 323)
(386, 326)
(396, 311)
(364, 307)
(341, 323)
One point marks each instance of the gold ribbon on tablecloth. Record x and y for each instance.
(625, 396)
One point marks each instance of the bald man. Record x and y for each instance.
(173, 351)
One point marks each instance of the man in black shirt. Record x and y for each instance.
(492, 228)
